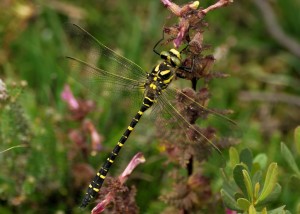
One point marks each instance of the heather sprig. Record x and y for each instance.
(117, 193)
(189, 33)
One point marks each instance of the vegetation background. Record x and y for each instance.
(263, 90)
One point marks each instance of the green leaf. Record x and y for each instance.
(261, 159)
(272, 196)
(286, 153)
(239, 178)
(270, 182)
(246, 157)
(252, 209)
(297, 139)
(228, 185)
(243, 203)
(257, 177)
(264, 211)
(256, 190)
(248, 184)
(238, 195)
(229, 201)
(279, 210)
(233, 157)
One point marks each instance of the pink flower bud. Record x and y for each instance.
(136, 160)
(68, 96)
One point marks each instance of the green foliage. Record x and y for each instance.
(292, 160)
(246, 189)
(297, 139)
(289, 158)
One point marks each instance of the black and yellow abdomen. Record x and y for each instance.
(158, 80)
(124, 75)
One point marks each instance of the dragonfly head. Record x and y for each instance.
(173, 57)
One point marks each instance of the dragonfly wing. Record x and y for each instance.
(178, 127)
(90, 76)
(101, 70)
(102, 56)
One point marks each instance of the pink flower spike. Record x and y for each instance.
(68, 96)
(136, 160)
(101, 206)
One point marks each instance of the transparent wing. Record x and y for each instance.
(177, 126)
(93, 77)
(102, 56)
(188, 97)
(97, 67)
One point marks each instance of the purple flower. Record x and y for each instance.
(68, 96)
(135, 161)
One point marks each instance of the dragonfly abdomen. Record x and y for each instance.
(97, 182)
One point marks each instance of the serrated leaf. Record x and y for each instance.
(261, 159)
(286, 153)
(270, 182)
(239, 178)
(233, 157)
(229, 201)
(246, 157)
(297, 139)
(248, 184)
(243, 204)
(252, 209)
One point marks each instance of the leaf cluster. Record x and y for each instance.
(251, 186)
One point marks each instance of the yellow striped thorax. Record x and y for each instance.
(163, 73)
(173, 57)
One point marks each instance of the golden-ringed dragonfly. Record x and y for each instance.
(110, 69)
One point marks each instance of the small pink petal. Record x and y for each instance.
(174, 8)
(166, 2)
(136, 160)
(183, 28)
(68, 96)
(101, 206)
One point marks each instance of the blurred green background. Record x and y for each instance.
(263, 90)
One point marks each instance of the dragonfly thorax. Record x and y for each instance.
(159, 79)
(163, 73)
(172, 57)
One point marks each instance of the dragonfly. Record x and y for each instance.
(108, 68)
